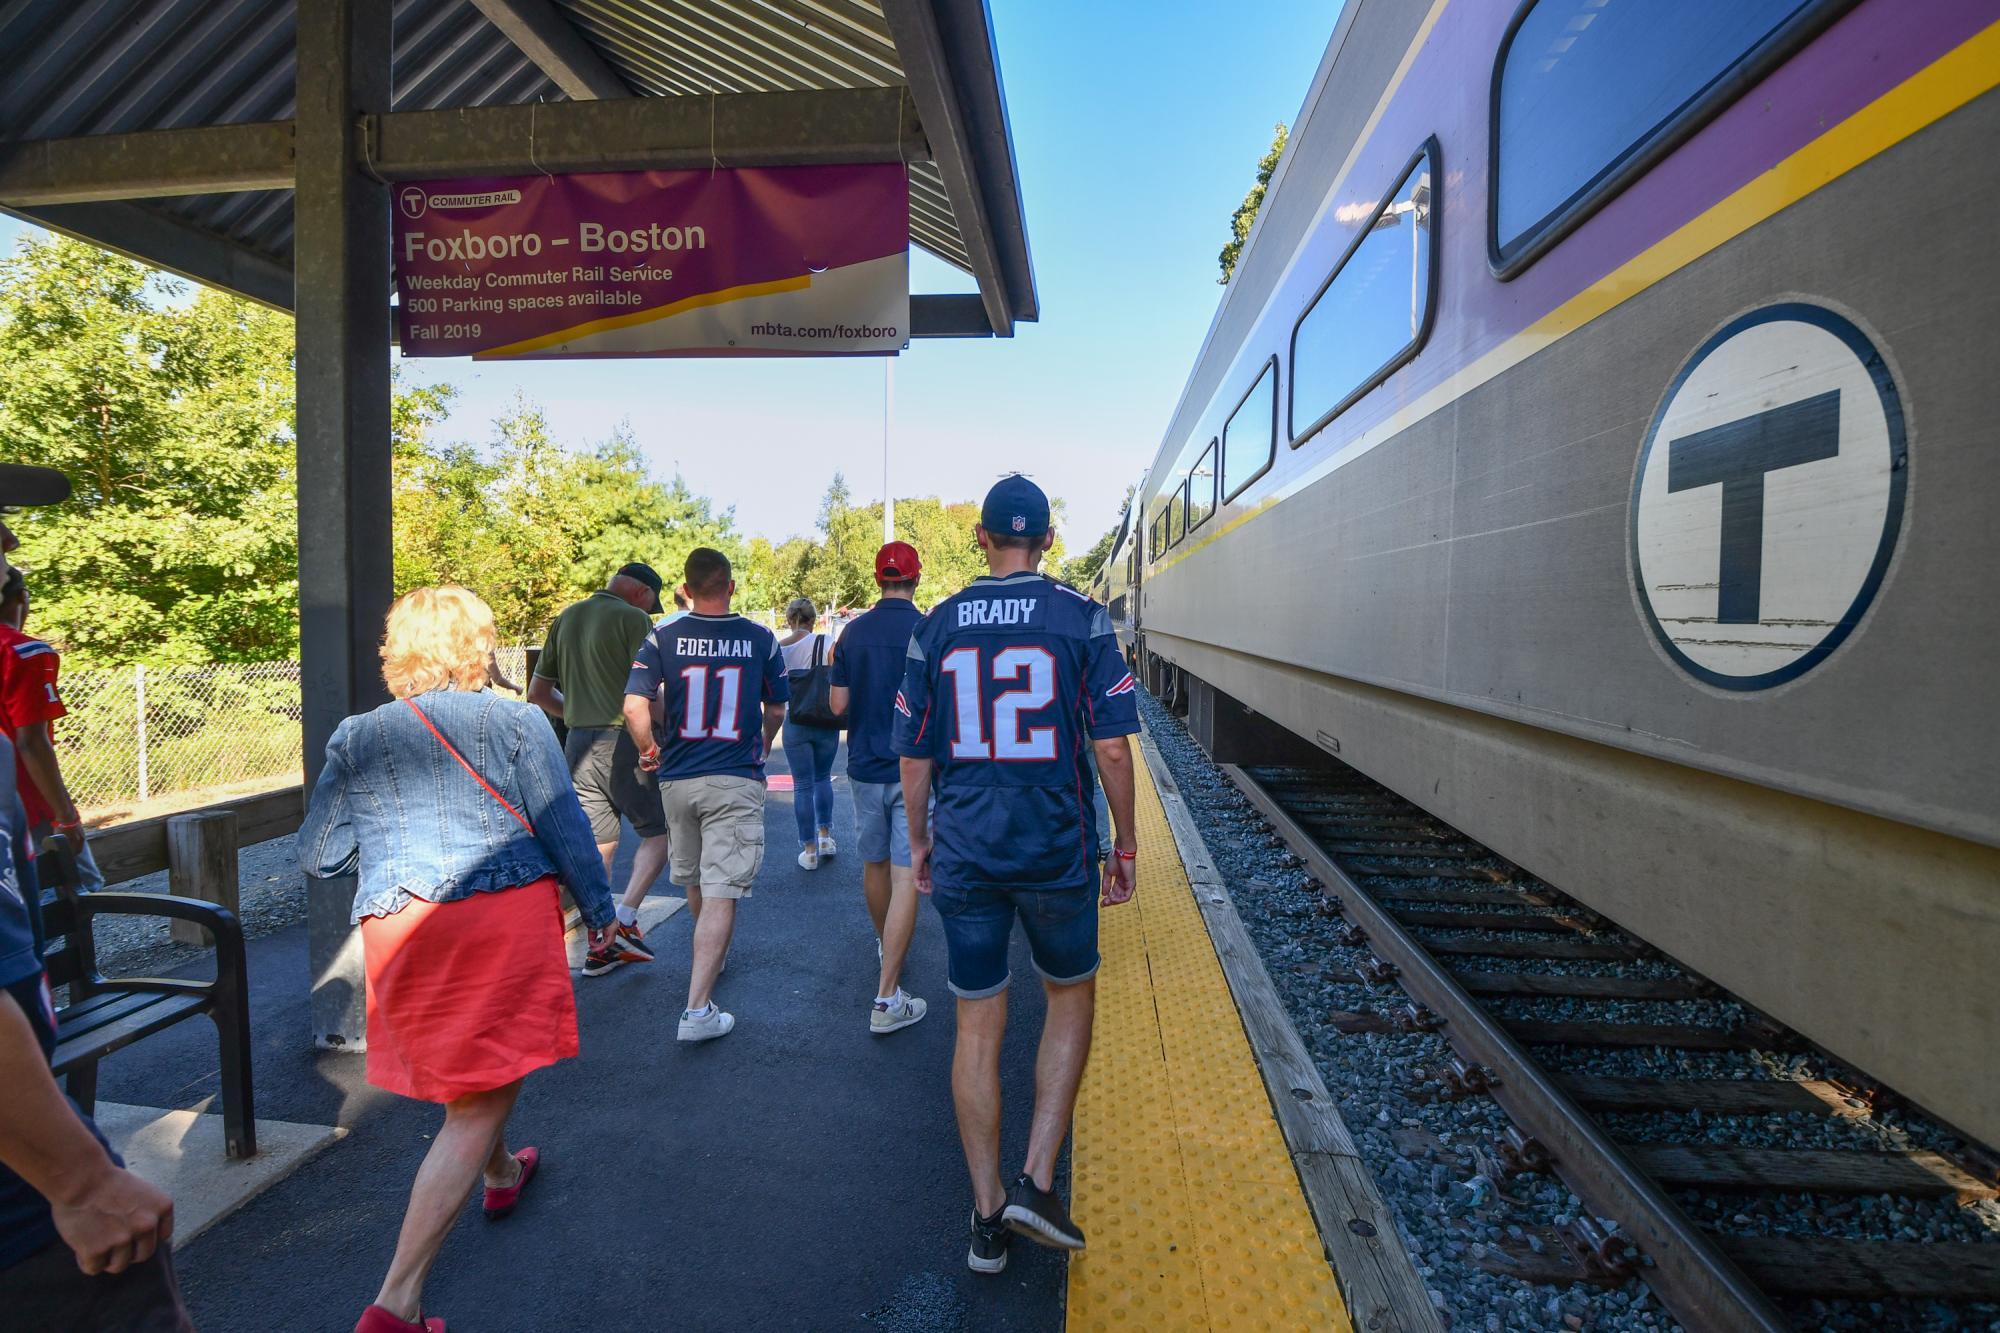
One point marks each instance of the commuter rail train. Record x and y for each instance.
(1590, 447)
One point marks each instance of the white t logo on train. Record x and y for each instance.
(1769, 497)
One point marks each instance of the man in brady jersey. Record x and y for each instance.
(1005, 685)
(721, 680)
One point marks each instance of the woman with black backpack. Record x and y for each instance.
(812, 731)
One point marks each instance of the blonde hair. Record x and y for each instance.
(437, 638)
(800, 613)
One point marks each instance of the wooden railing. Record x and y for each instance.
(140, 848)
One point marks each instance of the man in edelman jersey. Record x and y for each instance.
(721, 678)
(1005, 685)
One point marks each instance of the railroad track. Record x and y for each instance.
(1484, 953)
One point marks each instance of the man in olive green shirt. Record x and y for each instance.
(580, 678)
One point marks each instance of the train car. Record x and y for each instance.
(1590, 447)
(1118, 581)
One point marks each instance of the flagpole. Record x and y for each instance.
(888, 415)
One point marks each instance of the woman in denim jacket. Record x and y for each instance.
(454, 808)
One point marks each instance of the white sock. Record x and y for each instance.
(627, 916)
(702, 1012)
(890, 1000)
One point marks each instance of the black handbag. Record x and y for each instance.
(812, 692)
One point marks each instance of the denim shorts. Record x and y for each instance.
(881, 822)
(1061, 925)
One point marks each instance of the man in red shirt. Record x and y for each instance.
(28, 704)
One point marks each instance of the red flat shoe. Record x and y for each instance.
(499, 1203)
(377, 1320)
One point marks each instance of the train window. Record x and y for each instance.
(1375, 310)
(1249, 440)
(1177, 516)
(1589, 94)
(1201, 488)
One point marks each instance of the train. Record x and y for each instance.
(1594, 445)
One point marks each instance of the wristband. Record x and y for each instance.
(1124, 855)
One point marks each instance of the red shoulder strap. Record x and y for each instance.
(453, 752)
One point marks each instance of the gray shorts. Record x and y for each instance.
(604, 766)
(882, 822)
(718, 833)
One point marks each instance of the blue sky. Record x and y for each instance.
(1137, 128)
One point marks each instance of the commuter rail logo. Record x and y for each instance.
(733, 262)
(1769, 497)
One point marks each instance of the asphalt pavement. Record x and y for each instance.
(799, 1173)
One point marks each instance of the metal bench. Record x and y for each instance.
(106, 1014)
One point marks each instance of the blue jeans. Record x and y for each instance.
(1061, 926)
(810, 752)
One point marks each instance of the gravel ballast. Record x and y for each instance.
(1435, 1160)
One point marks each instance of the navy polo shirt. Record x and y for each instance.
(869, 661)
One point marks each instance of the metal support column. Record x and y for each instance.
(341, 297)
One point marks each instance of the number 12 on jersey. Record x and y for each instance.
(1008, 739)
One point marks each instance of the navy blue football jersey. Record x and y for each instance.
(718, 673)
(1005, 686)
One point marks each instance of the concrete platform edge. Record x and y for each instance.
(1376, 1274)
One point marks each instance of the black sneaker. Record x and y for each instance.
(990, 1239)
(1040, 1216)
(599, 961)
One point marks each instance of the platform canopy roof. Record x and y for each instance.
(162, 128)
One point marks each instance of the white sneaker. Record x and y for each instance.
(826, 847)
(809, 859)
(706, 1027)
(904, 1010)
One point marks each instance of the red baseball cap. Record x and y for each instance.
(897, 561)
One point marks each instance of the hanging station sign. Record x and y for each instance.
(735, 261)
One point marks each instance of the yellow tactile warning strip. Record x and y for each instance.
(1180, 1176)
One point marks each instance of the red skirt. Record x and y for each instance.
(469, 995)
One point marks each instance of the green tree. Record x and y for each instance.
(1081, 571)
(1245, 216)
(174, 423)
(531, 525)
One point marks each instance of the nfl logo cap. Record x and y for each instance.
(897, 561)
(1015, 506)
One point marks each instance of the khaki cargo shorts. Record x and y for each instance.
(715, 832)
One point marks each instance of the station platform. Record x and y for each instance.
(800, 1173)
(1181, 1177)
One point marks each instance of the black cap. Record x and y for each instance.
(645, 574)
(21, 484)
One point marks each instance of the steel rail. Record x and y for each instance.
(1700, 1285)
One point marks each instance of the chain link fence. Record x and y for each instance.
(134, 734)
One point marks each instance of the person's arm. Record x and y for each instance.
(111, 1218)
(543, 694)
(774, 722)
(556, 817)
(917, 808)
(326, 841)
(777, 693)
(910, 739)
(37, 749)
(543, 691)
(1114, 771)
(498, 677)
(838, 697)
(1111, 708)
(645, 681)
